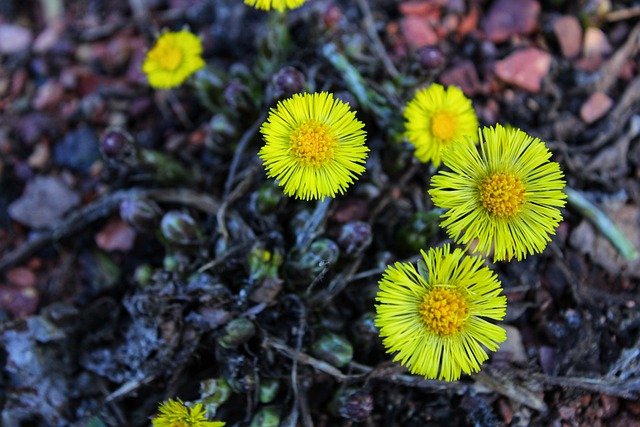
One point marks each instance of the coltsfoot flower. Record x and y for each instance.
(279, 5)
(175, 56)
(174, 413)
(504, 195)
(434, 319)
(314, 146)
(436, 118)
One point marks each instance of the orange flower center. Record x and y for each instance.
(313, 143)
(502, 194)
(167, 56)
(443, 126)
(444, 311)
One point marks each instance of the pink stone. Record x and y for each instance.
(463, 75)
(595, 49)
(418, 32)
(569, 34)
(116, 236)
(595, 107)
(508, 18)
(21, 277)
(524, 68)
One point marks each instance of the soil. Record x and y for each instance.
(144, 254)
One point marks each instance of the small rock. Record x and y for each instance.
(48, 38)
(464, 76)
(595, 49)
(43, 202)
(78, 150)
(524, 68)
(569, 34)
(595, 107)
(419, 8)
(14, 38)
(21, 277)
(610, 405)
(508, 18)
(513, 346)
(116, 236)
(20, 302)
(48, 96)
(418, 32)
(40, 156)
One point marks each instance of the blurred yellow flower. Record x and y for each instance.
(174, 413)
(434, 319)
(279, 5)
(504, 195)
(175, 56)
(436, 118)
(314, 146)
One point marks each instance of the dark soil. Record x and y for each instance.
(102, 320)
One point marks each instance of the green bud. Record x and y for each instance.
(303, 266)
(142, 214)
(213, 393)
(180, 228)
(267, 199)
(269, 388)
(334, 349)
(268, 416)
(142, 274)
(237, 332)
(263, 263)
(416, 232)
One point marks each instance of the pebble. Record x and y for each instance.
(464, 76)
(14, 38)
(569, 34)
(418, 32)
(595, 107)
(21, 277)
(43, 202)
(116, 236)
(78, 150)
(524, 68)
(508, 18)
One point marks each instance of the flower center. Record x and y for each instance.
(313, 143)
(443, 126)
(444, 311)
(502, 194)
(168, 57)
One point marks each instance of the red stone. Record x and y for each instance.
(569, 34)
(508, 18)
(116, 236)
(418, 32)
(464, 76)
(524, 68)
(595, 107)
(21, 277)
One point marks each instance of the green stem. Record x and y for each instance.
(602, 222)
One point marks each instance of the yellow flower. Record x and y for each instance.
(436, 118)
(434, 319)
(506, 194)
(174, 413)
(280, 5)
(175, 56)
(314, 146)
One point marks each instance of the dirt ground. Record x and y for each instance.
(185, 273)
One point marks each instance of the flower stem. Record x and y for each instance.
(602, 222)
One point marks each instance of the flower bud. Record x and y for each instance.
(287, 82)
(180, 228)
(431, 58)
(142, 214)
(238, 96)
(334, 349)
(414, 235)
(214, 392)
(355, 237)
(269, 416)
(237, 332)
(269, 388)
(355, 405)
(142, 274)
(303, 266)
(118, 146)
(268, 198)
